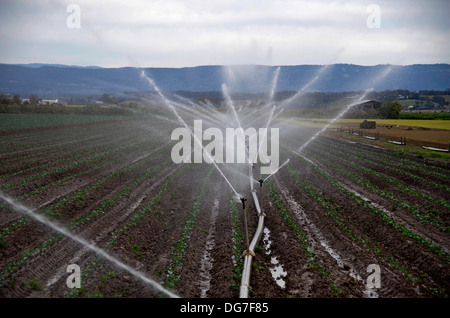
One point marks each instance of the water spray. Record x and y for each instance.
(231, 104)
(274, 84)
(276, 170)
(305, 87)
(22, 209)
(346, 109)
(181, 120)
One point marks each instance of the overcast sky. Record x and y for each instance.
(180, 33)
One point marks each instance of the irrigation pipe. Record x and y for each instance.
(249, 253)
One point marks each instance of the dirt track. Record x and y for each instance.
(336, 209)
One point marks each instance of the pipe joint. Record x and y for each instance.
(248, 252)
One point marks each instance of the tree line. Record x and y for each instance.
(14, 104)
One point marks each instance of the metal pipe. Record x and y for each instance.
(245, 222)
(249, 253)
(261, 181)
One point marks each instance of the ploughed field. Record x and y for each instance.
(333, 211)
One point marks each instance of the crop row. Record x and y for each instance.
(396, 164)
(45, 174)
(431, 217)
(98, 157)
(73, 225)
(55, 209)
(65, 154)
(237, 238)
(37, 167)
(312, 261)
(28, 152)
(149, 208)
(395, 158)
(432, 247)
(81, 194)
(32, 141)
(346, 153)
(38, 141)
(76, 195)
(335, 211)
(172, 277)
(332, 209)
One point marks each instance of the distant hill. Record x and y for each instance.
(37, 65)
(53, 81)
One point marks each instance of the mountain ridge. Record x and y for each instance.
(56, 80)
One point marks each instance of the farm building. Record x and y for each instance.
(368, 124)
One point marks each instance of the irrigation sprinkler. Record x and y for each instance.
(245, 225)
(261, 181)
(243, 203)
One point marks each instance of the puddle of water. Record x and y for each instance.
(207, 261)
(277, 271)
(266, 241)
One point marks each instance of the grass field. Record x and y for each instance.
(320, 122)
(24, 121)
(409, 148)
(80, 106)
(418, 133)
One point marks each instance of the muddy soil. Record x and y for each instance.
(182, 226)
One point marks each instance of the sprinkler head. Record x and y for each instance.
(260, 182)
(243, 202)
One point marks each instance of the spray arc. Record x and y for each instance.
(22, 209)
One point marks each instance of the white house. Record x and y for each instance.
(48, 101)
